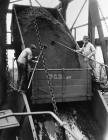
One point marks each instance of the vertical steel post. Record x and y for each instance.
(13, 69)
(94, 21)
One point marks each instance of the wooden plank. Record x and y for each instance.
(65, 83)
(70, 93)
(66, 99)
(8, 122)
(40, 74)
(76, 82)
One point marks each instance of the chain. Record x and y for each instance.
(47, 73)
(50, 87)
(51, 90)
(41, 11)
(7, 65)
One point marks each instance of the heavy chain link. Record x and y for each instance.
(51, 90)
(50, 86)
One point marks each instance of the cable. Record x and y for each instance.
(60, 44)
(38, 3)
(30, 2)
(78, 15)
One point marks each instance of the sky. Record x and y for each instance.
(72, 12)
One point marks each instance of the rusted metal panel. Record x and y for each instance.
(67, 84)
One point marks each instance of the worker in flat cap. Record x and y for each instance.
(89, 51)
(23, 60)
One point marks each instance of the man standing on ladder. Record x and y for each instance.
(23, 60)
(88, 50)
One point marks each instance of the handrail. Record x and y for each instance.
(40, 113)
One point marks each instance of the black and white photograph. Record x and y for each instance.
(53, 69)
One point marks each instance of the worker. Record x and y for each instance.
(88, 50)
(23, 60)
